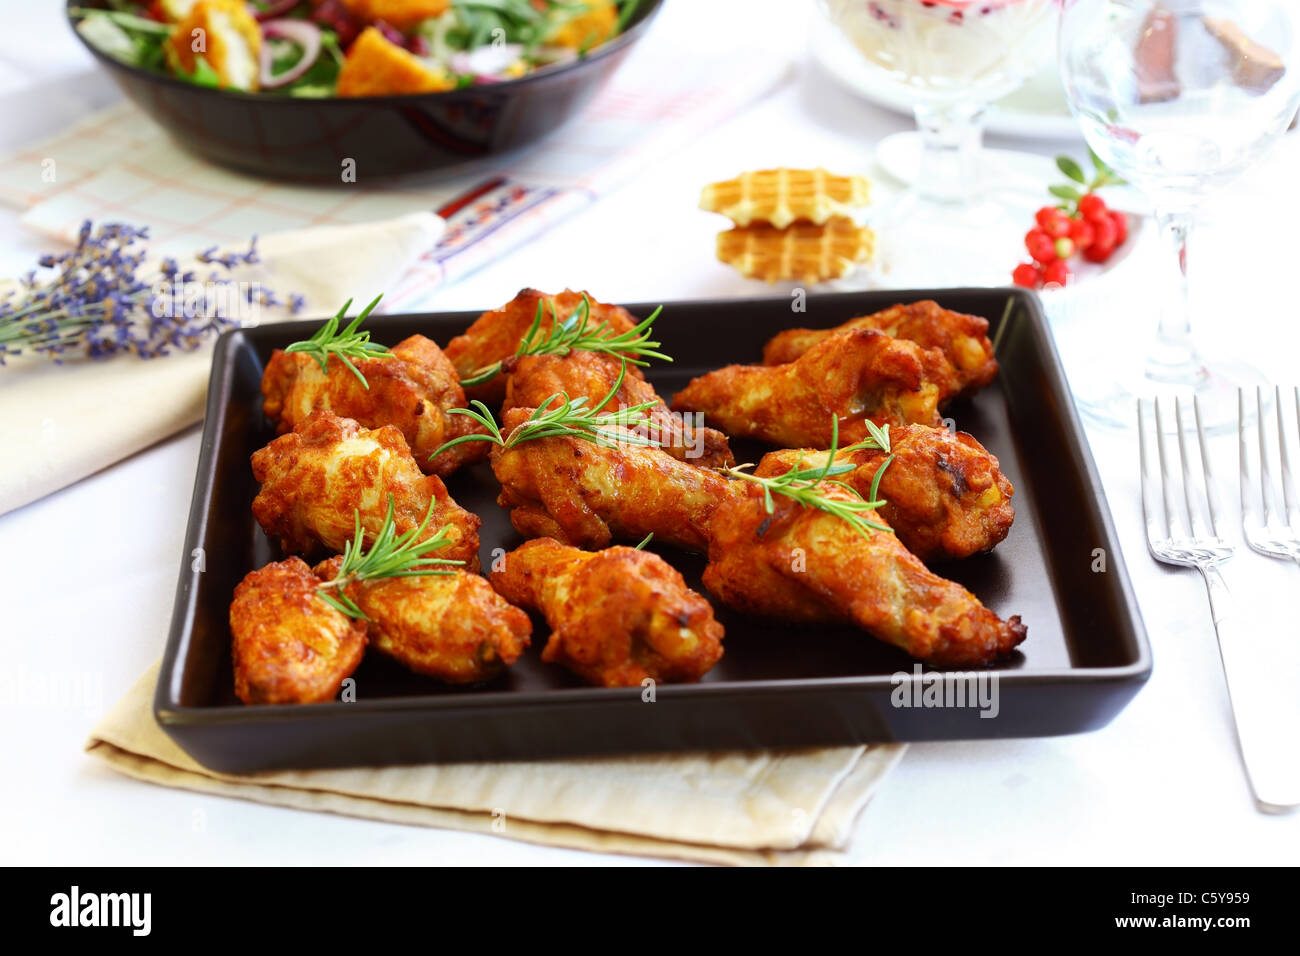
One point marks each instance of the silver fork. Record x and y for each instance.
(1190, 535)
(1272, 527)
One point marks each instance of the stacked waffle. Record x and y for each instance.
(791, 224)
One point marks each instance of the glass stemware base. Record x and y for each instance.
(922, 243)
(1107, 388)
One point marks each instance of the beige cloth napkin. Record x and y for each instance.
(760, 807)
(68, 421)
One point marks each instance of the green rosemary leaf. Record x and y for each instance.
(561, 415)
(349, 344)
(803, 484)
(390, 556)
(575, 334)
(875, 481)
(343, 603)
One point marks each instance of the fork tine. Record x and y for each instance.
(1288, 482)
(1265, 466)
(1166, 497)
(1150, 511)
(1211, 486)
(1195, 510)
(1250, 515)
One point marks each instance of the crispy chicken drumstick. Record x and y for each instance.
(945, 496)
(587, 495)
(857, 374)
(617, 616)
(411, 388)
(962, 338)
(805, 565)
(316, 477)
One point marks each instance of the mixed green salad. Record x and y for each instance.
(323, 48)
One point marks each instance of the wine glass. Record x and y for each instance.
(950, 59)
(1179, 97)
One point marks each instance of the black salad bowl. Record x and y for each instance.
(284, 137)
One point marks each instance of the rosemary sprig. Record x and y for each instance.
(877, 438)
(644, 541)
(391, 556)
(800, 483)
(346, 345)
(571, 416)
(574, 334)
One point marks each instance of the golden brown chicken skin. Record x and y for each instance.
(945, 495)
(316, 477)
(453, 627)
(495, 335)
(535, 378)
(962, 338)
(854, 375)
(289, 646)
(617, 616)
(411, 389)
(802, 564)
(587, 495)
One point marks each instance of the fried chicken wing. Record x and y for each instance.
(806, 565)
(453, 627)
(853, 375)
(411, 389)
(944, 494)
(617, 616)
(315, 478)
(535, 378)
(586, 495)
(495, 335)
(289, 646)
(963, 339)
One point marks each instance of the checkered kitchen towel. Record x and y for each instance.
(117, 165)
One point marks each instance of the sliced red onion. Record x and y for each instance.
(273, 9)
(302, 32)
(418, 45)
(485, 61)
(390, 32)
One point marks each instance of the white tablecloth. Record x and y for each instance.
(89, 573)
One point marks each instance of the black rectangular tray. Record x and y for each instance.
(1085, 657)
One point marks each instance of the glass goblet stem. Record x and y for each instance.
(951, 134)
(1173, 358)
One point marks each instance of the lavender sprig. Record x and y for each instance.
(98, 303)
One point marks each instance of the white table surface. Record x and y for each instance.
(88, 573)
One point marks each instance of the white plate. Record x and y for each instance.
(1035, 111)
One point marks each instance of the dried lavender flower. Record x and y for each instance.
(97, 303)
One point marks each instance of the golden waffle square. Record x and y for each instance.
(803, 252)
(784, 196)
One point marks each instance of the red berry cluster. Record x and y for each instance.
(1082, 223)
(1092, 231)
